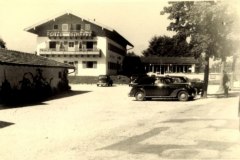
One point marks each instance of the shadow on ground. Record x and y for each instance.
(167, 99)
(40, 101)
(172, 150)
(217, 95)
(5, 124)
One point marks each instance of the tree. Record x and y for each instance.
(167, 46)
(132, 65)
(203, 22)
(2, 43)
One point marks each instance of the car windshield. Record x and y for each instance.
(163, 80)
(102, 77)
(179, 79)
(168, 80)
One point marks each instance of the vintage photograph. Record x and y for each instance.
(120, 80)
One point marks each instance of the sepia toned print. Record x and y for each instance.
(113, 80)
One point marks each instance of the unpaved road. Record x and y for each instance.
(103, 123)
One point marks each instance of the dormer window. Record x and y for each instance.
(55, 27)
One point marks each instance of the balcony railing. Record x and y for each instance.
(71, 33)
(67, 52)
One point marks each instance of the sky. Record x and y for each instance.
(137, 20)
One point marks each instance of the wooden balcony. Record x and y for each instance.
(95, 52)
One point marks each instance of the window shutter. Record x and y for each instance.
(84, 64)
(94, 64)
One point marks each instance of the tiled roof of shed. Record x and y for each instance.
(169, 60)
(27, 59)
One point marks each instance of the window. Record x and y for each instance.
(89, 64)
(52, 45)
(78, 27)
(71, 63)
(89, 45)
(64, 27)
(71, 44)
(55, 26)
(87, 27)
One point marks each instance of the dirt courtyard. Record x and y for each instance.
(103, 123)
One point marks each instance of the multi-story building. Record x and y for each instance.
(92, 48)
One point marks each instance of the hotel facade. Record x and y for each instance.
(91, 48)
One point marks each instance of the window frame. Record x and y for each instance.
(65, 27)
(51, 43)
(87, 27)
(89, 64)
(55, 25)
(71, 44)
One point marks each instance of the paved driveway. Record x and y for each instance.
(102, 123)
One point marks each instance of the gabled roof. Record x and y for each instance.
(10, 57)
(63, 13)
(104, 27)
(169, 60)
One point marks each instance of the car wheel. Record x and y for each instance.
(139, 96)
(183, 96)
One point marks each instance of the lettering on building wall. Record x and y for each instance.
(60, 34)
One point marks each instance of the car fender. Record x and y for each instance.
(176, 91)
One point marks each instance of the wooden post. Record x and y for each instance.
(239, 111)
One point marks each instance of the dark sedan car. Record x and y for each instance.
(162, 87)
(197, 84)
(104, 80)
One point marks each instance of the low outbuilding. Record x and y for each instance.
(25, 76)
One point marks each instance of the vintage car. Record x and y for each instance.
(162, 87)
(197, 84)
(104, 80)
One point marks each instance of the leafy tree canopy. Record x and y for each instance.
(132, 65)
(206, 23)
(2, 43)
(167, 46)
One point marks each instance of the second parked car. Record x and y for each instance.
(197, 84)
(162, 87)
(104, 80)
